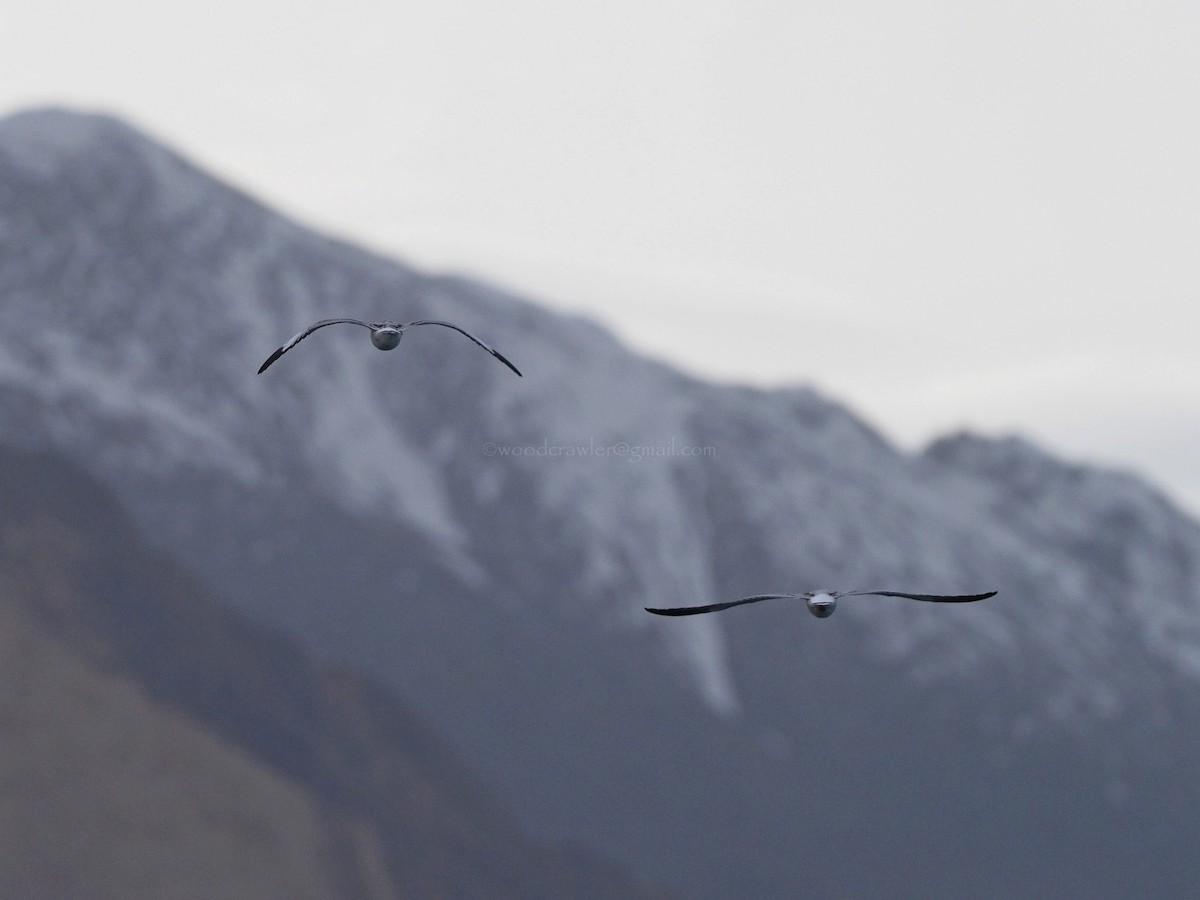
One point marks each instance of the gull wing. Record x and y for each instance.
(714, 607)
(302, 335)
(932, 598)
(468, 334)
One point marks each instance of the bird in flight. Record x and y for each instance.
(820, 603)
(384, 335)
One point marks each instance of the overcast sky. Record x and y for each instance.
(945, 214)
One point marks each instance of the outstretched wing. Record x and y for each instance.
(302, 335)
(714, 607)
(471, 336)
(932, 598)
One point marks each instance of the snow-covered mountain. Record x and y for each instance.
(485, 544)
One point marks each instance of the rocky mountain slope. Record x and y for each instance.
(484, 544)
(154, 745)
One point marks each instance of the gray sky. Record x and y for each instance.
(945, 214)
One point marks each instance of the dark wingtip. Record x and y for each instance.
(270, 359)
(679, 610)
(970, 598)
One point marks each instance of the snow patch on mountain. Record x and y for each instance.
(376, 469)
(66, 377)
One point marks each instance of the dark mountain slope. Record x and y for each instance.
(154, 724)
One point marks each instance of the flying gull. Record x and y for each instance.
(384, 335)
(820, 603)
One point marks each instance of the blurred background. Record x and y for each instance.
(856, 296)
(947, 215)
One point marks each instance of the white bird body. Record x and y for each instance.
(821, 603)
(385, 337)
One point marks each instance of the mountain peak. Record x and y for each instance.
(1026, 472)
(44, 137)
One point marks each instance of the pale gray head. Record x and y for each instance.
(821, 603)
(385, 337)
